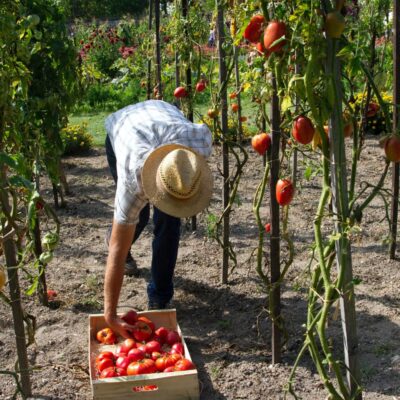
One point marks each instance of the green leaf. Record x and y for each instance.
(336, 236)
(20, 181)
(308, 173)
(6, 159)
(32, 289)
(286, 103)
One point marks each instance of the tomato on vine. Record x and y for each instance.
(180, 92)
(253, 30)
(273, 32)
(303, 130)
(284, 192)
(261, 143)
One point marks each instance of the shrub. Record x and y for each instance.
(76, 139)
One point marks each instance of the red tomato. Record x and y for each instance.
(261, 143)
(161, 334)
(127, 345)
(166, 361)
(172, 337)
(142, 348)
(274, 31)
(284, 191)
(261, 50)
(152, 346)
(144, 329)
(169, 369)
(180, 92)
(112, 372)
(106, 336)
(177, 348)
(104, 355)
(119, 352)
(268, 228)
(130, 317)
(145, 366)
(184, 365)
(235, 107)
(232, 95)
(104, 363)
(303, 130)
(200, 86)
(243, 119)
(253, 30)
(123, 362)
(51, 294)
(155, 355)
(136, 354)
(392, 149)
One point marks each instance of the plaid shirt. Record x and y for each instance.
(134, 132)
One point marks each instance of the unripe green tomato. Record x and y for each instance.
(46, 257)
(50, 241)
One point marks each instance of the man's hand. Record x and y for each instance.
(119, 326)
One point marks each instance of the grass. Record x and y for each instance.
(95, 122)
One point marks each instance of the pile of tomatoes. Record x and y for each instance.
(150, 350)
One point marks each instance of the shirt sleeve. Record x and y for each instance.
(128, 203)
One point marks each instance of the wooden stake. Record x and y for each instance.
(224, 125)
(149, 88)
(10, 255)
(275, 295)
(396, 101)
(158, 47)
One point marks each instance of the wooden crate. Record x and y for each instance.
(180, 385)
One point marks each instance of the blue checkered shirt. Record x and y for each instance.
(134, 132)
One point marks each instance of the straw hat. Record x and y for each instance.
(177, 180)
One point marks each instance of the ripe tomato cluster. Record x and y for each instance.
(150, 350)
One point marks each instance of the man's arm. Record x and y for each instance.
(120, 242)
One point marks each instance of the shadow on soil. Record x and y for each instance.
(221, 326)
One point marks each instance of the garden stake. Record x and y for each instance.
(158, 47)
(150, 26)
(223, 75)
(274, 306)
(396, 101)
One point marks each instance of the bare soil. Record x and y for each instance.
(226, 326)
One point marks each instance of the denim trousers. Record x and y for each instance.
(160, 288)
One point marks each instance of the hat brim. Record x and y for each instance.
(162, 199)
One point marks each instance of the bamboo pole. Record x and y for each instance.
(150, 26)
(158, 47)
(224, 125)
(275, 293)
(189, 88)
(396, 101)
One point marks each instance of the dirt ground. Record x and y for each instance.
(226, 326)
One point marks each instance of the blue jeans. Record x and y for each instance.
(160, 289)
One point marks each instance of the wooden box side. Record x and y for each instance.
(169, 386)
